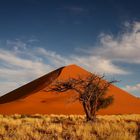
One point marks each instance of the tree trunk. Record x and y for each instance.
(93, 110)
(87, 111)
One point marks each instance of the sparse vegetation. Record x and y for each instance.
(91, 92)
(73, 127)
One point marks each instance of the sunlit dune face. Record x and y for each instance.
(42, 102)
(72, 71)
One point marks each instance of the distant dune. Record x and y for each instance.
(33, 99)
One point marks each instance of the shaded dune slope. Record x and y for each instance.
(31, 87)
(32, 98)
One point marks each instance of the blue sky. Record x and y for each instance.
(38, 36)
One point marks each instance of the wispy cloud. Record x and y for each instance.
(133, 88)
(125, 47)
(16, 70)
(23, 62)
(76, 9)
(19, 66)
(90, 62)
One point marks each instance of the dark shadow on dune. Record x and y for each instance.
(138, 132)
(43, 101)
(31, 87)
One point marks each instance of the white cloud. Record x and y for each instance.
(6, 86)
(125, 47)
(134, 88)
(23, 62)
(97, 64)
(92, 63)
(16, 70)
(55, 59)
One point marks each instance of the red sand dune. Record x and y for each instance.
(32, 97)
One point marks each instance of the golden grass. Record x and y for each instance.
(73, 127)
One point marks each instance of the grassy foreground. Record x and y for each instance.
(73, 127)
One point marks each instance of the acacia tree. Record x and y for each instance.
(91, 92)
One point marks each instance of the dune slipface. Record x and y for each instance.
(32, 98)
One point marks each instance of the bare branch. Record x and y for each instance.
(91, 90)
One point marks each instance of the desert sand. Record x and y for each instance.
(32, 98)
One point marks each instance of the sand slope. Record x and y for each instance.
(32, 98)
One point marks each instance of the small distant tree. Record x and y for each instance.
(91, 92)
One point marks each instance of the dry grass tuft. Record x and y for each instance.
(72, 127)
